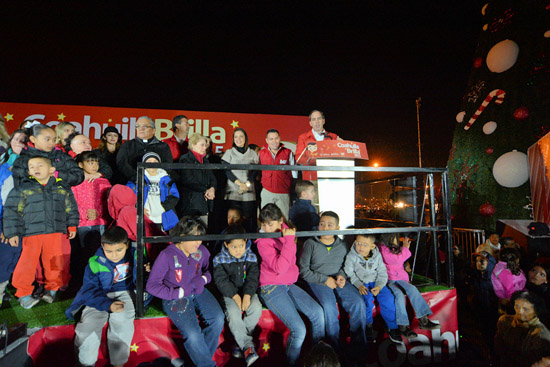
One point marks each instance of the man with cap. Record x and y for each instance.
(179, 142)
(132, 151)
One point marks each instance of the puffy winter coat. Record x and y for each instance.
(33, 209)
(193, 184)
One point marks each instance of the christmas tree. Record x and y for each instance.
(505, 109)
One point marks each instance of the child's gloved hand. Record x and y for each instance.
(117, 306)
(363, 290)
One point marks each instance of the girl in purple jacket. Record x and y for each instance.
(394, 254)
(178, 277)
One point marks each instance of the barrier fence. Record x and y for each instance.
(468, 239)
(444, 227)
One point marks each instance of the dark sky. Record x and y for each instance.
(363, 63)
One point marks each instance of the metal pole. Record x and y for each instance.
(418, 100)
(447, 210)
(433, 224)
(140, 242)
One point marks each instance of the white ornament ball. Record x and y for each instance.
(460, 117)
(511, 169)
(502, 56)
(489, 127)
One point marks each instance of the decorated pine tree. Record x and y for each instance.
(505, 109)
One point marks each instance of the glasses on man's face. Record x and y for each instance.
(143, 127)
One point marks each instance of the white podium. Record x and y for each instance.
(337, 190)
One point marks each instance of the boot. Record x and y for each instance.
(406, 332)
(369, 333)
(427, 324)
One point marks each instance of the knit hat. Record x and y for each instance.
(151, 155)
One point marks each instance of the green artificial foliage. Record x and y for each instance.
(526, 84)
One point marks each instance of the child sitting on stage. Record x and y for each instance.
(178, 277)
(106, 297)
(236, 273)
(321, 266)
(366, 271)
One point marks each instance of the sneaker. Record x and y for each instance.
(369, 333)
(250, 356)
(427, 324)
(406, 332)
(38, 291)
(395, 336)
(237, 352)
(48, 296)
(28, 302)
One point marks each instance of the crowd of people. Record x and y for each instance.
(69, 219)
(507, 293)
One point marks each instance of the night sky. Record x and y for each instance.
(363, 63)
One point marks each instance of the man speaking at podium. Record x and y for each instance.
(317, 133)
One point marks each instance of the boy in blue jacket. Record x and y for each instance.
(303, 214)
(106, 297)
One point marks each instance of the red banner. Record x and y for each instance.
(158, 338)
(91, 121)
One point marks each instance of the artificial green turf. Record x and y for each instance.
(44, 314)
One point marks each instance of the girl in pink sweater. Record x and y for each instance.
(278, 273)
(394, 254)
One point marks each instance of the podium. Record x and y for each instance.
(336, 189)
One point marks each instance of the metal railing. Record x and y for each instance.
(445, 226)
(468, 239)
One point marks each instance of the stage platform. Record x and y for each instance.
(157, 342)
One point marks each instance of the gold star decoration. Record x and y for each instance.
(61, 117)
(110, 120)
(266, 347)
(235, 124)
(8, 117)
(134, 348)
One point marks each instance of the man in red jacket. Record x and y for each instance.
(317, 133)
(276, 184)
(178, 142)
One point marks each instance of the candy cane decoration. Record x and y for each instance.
(498, 93)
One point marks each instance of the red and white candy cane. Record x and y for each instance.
(498, 93)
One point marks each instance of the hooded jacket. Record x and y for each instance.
(236, 276)
(101, 277)
(361, 271)
(67, 169)
(122, 208)
(319, 261)
(169, 197)
(33, 208)
(504, 282)
(175, 275)
(483, 287)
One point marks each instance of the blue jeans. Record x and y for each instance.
(286, 301)
(199, 343)
(350, 299)
(401, 287)
(386, 300)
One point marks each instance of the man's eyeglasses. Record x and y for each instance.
(144, 127)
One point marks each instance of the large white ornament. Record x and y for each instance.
(511, 169)
(489, 127)
(502, 56)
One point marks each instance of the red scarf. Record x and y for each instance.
(200, 157)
